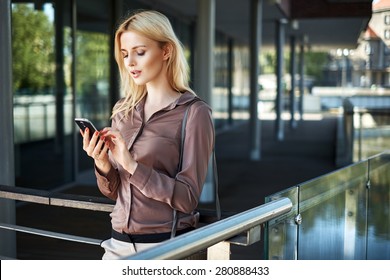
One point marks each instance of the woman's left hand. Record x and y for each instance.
(118, 149)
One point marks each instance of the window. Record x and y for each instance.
(387, 19)
(386, 49)
(387, 34)
(368, 48)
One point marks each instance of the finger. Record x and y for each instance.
(105, 131)
(99, 144)
(105, 148)
(108, 143)
(90, 143)
(94, 139)
(110, 132)
(85, 134)
(96, 155)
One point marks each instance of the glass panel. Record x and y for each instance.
(281, 233)
(372, 130)
(343, 215)
(42, 94)
(334, 215)
(241, 86)
(378, 243)
(92, 69)
(220, 90)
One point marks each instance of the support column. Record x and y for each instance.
(7, 164)
(116, 13)
(204, 56)
(60, 76)
(301, 76)
(293, 123)
(255, 44)
(280, 34)
(204, 72)
(230, 81)
(75, 133)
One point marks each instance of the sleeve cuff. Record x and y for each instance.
(141, 176)
(110, 174)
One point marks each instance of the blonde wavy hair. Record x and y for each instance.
(157, 27)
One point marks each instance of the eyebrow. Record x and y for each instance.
(135, 47)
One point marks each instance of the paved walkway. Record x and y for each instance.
(306, 152)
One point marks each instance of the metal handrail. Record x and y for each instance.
(181, 246)
(51, 234)
(56, 199)
(192, 242)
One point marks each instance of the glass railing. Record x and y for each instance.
(364, 130)
(341, 215)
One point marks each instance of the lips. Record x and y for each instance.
(135, 73)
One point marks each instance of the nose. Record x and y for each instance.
(130, 60)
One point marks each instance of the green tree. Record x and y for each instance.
(314, 65)
(32, 49)
(268, 62)
(92, 60)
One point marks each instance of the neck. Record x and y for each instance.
(160, 93)
(158, 98)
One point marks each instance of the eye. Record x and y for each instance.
(140, 53)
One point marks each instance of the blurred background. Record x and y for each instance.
(268, 68)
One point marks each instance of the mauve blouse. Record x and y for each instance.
(146, 199)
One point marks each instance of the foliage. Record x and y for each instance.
(268, 62)
(33, 52)
(32, 49)
(314, 62)
(92, 61)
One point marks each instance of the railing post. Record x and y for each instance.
(360, 134)
(219, 251)
(350, 224)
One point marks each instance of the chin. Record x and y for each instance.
(139, 82)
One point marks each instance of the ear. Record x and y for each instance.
(167, 51)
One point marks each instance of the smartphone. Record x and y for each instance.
(84, 123)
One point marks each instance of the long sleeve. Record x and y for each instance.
(109, 184)
(183, 191)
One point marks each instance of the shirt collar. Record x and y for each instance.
(183, 99)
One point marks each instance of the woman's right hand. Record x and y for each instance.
(96, 148)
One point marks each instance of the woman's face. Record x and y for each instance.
(142, 57)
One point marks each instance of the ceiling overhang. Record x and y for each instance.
(303, 9)
(324, 23)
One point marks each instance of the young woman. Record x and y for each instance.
(137, 158)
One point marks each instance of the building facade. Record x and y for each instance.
(369, 64)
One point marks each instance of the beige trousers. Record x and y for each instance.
(115, 249)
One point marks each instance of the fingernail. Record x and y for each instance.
(96, 133)
(86, 129)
